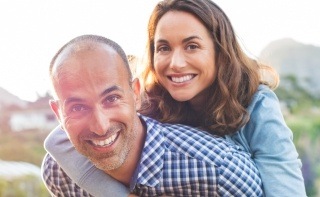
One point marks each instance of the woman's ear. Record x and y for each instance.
(136, 89)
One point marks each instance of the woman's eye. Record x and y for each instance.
(192, 46)
(163, 48)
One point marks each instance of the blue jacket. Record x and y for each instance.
(269, 140)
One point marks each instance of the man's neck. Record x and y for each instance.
(125, 173)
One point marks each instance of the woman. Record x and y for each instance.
(197, 74)
(204, 79)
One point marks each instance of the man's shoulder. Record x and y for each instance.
(49, 168)
(191, 142)
(179, 148)
(57, 181)
(52, 173)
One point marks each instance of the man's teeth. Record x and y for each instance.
(181, 79)
(105, 142)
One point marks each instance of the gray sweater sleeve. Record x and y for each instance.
(80, 169)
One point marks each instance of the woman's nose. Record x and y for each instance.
(177, 60)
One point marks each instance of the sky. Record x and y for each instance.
(32, 31)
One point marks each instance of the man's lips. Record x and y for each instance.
(104, 142)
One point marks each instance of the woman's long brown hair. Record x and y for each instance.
(238, 76)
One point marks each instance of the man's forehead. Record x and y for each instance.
(80, 47)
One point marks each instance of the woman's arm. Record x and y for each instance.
(80, 169)
(267, 137)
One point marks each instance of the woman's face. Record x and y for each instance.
(184, 56)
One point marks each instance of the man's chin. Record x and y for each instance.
(106, 164)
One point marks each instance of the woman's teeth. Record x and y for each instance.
(182, 79)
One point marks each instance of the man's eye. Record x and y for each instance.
(112, 99)
(78, 108)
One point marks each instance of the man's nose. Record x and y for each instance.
(100, 122)
(178, 60)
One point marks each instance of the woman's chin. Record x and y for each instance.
(181, 98)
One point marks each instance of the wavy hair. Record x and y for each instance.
(238, 75)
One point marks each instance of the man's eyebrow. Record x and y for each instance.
(111, 89)
(106, 91)
(72, 100)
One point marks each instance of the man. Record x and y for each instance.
(96, 102)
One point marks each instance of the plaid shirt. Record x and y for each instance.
(178, 160)
(57, 181)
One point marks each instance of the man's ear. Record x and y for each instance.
(136, 89)
(54, 104)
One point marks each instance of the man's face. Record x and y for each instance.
(97, 105)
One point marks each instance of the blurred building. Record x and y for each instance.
(35, 116)
(29, 116)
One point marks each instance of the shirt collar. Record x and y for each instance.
(149, 171)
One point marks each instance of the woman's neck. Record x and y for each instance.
(199, 102)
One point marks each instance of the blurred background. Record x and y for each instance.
(284, 34)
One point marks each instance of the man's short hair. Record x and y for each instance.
(90, 42)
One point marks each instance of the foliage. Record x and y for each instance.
(3, 186)
(295, 96)
(304, 121)
(22, 187)
(306, 130)
(24, 146)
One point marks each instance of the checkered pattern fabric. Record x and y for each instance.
(57, 181)
(178, 161)
(181, 161)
